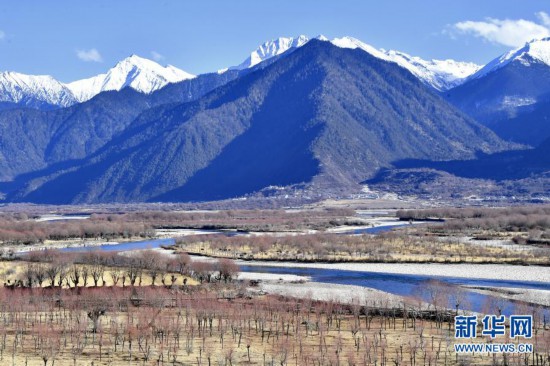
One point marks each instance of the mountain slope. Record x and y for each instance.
(506, 88)
(322, 116)
(528, 124)
(50, 137)
(32, 139)
(500, 167)
(35, 91)
(135, 72)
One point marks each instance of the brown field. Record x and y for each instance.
(213, 325)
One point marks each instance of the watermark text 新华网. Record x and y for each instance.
(521, 326)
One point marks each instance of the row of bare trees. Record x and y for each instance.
(31, 232)
(484, 218)
(248, 220)
(54, 268)
(472, 212)
(18, 228)
(386, 247)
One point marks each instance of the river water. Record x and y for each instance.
(408, 285)
(398, 284)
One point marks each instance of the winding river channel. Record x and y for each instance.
(398, 284)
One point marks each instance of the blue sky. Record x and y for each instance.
(72, 39)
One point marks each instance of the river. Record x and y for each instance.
(408, 285)
(399, 284)
(157, 243)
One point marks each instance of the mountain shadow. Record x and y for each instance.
(504, 166)
(275, 150)
(512, 100)
(322, 115)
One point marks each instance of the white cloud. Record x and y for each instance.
(508, 32)
(91, 55)
(157, 56)
(544, 18)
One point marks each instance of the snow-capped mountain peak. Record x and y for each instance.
(440, 74)
(537, 50)
(353, 43)
(147, 76)
(33, 89)
(138, 73)
(271, 49)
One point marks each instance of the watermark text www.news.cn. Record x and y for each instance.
(520, 327)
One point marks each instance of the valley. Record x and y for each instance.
(315, 201)
(398, 282)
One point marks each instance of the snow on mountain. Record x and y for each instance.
(33, 89)
(147, 76)
(270, 49)
(537, 50)
(135, 72)
(440, 74)
(353, 43)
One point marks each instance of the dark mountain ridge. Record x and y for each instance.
(324, 116)
(513, 176)
(512, 100)
(32, 139)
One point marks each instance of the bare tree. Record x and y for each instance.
(97, 270)
(39, 273)
(227, 269)
(182, 262)
(154, 263)
(85, 275)
(29, 275)
(75, 274)
(96, 302)
(62, 274)
(52, 271)
(133, 271)
(115, 274)
(202, 270)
